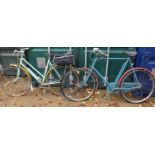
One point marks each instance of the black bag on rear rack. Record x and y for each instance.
(64, 60)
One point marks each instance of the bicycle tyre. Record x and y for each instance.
(144, 92)
(74, 90)
(14, 86)
(53, 76)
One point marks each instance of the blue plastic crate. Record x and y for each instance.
(146, 58)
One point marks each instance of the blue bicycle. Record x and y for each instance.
(81, 83)
(19, 80)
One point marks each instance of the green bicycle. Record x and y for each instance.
(19, 82)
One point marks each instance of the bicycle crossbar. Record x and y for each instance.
(128, 86)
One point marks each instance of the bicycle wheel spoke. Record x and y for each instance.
(144, 87)
(16, 86)
(78, 86)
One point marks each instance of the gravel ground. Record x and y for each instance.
(40, 98)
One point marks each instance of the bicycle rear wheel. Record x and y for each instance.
(16, 83)
(137, 85)
(79, 85)
(54, 77)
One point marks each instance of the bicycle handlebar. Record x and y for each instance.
(98, 51)
(22, 50)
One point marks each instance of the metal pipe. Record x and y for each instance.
(86, 57)
(107, 65)
(48, 50)
(70, 49)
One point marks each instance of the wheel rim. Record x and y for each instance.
(76, 89)
(143, 83)
(14, 86)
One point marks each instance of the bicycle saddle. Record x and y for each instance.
(131, 54)
(24, 49)
(60, 55)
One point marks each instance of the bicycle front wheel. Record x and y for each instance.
(79, 85)
(54, 77)
(16, 81)
(137, 85)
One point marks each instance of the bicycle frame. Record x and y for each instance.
(112, 86)
(31, 69)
